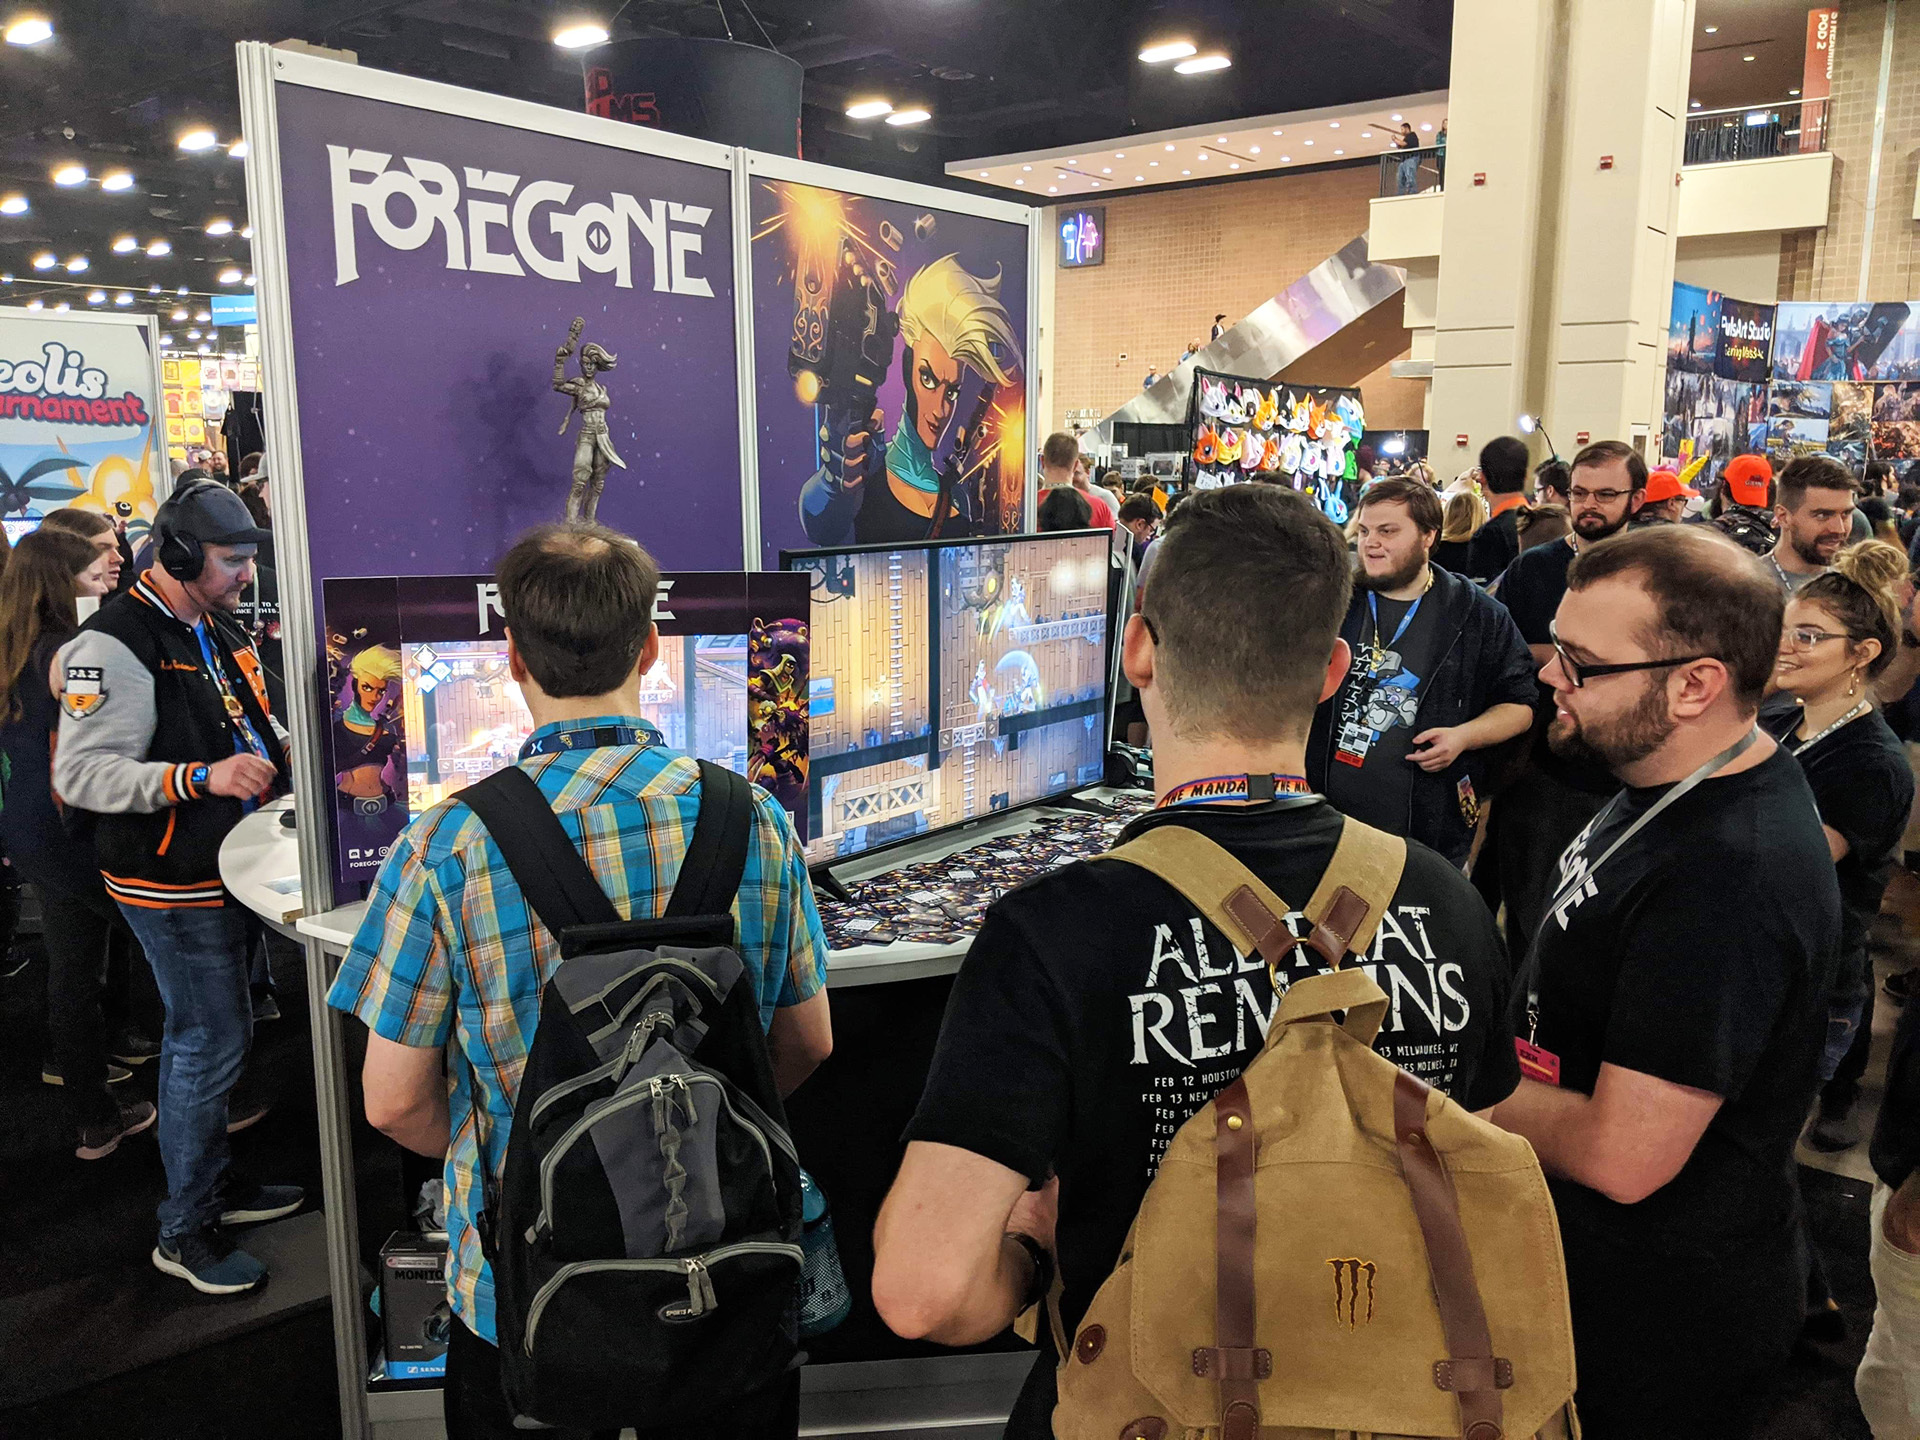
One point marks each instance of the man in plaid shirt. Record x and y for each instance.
(450, 950)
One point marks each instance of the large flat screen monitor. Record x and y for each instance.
(951, 681)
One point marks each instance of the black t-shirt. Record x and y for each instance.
(1531, 589)
(1864, 788)
(1368, 774)
(1096, 1013)
(1496, 545)
(1699, 954)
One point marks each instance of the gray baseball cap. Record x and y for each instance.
(211, 513)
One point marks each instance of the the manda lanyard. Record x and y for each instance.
(1235, 787)
(592, 738)
(1571, 885)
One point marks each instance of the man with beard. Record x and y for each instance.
(1552, 798)
(1813, 505)
(1440, 673)
(1671, 1037)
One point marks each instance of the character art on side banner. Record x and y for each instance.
(950, 462)
(778, 670)
(369, 747)
(1387, 694)
(593, 453)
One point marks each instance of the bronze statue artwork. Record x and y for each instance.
(593, 451)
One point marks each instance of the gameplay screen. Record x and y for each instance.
(950, 682)
(463, 716)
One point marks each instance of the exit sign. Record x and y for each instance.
(1082, 238)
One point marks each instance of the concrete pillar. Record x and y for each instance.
(1556, 269)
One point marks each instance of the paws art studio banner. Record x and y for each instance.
(1306, 436)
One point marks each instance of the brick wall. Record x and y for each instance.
(1825, 264)
(1177, 257)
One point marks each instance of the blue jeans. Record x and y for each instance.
(199, 959)
(1409, 168)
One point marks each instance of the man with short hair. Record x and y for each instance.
(1440, 674)
(1665, 500)
(1060, 464)
(1140, 518)
(1097, 1011)
(1554, 796)
(166, 741)
(1551, 479)
(1219, 326)
(1503, 468)
(448, 968)
(1813, 507)
(1678, 1032)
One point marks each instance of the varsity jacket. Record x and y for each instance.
(141, 720)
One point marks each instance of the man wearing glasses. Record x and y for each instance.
(1535, 817)
(1673, 1028)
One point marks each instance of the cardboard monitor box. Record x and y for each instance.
(413, 1302)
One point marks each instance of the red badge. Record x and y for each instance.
(1537, 1064)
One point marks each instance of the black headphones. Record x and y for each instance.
(181, 555)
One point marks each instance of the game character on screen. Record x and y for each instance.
(366, 731)
(957, 344)
(777, 667)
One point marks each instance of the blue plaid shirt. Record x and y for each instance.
(450, 949)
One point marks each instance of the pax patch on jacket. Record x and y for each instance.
(84, 693)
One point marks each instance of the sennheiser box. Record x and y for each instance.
(413, 1303)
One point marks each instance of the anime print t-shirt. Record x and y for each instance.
(1375, 713)
(1097, 1012)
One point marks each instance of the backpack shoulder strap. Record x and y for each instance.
(716, 859)
(538, 850)
(1345, 910)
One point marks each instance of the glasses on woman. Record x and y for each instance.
(1805, 637)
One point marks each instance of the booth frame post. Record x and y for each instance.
(744, 368)
(1039, 252)
(260, 126)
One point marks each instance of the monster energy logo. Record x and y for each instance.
(1347, 1273)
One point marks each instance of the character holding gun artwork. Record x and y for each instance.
(957, 344)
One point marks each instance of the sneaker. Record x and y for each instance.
(133, 1048)
(99, 1141)
(1899, 985)
(209, 1262)
(13, 962)
(265, 1007)
(245, 1202)
(1830, 1134)
(116, 1075)
(246, 1110)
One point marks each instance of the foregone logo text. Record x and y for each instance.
(496, 237)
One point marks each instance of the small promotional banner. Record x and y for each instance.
(79, 404)
(888, 362)
(1299, 435)
(1693, 330)
(1846, 340)
(1709, 333)
(495, 326)
(421, 703)
(1746, 341)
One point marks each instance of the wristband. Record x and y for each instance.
(1042, 1281)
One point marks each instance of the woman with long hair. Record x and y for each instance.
(1465, 513)
(100, 532)
(48, 570)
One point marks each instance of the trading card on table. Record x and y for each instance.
(933, 935)
(963, 875)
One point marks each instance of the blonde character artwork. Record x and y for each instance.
(367, 731)
(593, 452)
(957, 344)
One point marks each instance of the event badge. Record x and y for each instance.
(1469, 802)
(1537, 1064)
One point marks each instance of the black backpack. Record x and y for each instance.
(644, 1237)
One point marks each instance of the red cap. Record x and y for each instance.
(1664, 484)
(1745, 480)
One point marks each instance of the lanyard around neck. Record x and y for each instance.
(1234, 787)
(1373, 610)
(1845, 720)
(588, 737)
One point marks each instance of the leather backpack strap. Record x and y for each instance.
(1470, 1370)
(1235, 899)
(1358, 885)
(1234, 1362)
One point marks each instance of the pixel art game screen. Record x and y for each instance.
(951, 682)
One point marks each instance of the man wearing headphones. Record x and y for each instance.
(166, 740)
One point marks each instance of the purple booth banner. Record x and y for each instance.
(849, 294)
(435, 263)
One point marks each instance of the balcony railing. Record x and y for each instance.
(1409, 172)
(1756, 132)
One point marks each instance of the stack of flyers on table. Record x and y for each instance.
(941, 902)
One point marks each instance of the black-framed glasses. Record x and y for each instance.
(1579, 674)
(1601, 497)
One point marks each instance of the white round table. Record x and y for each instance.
(258, 852)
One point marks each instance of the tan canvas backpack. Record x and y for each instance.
(1329, 1248)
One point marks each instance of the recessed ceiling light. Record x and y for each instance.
(1201, 64)
(1396, 119)
(1309, 142)
(1253, 149)
(1713, 29)
(1695, 104)
(1073, 160)
(1053, 189)
(116, 180)
(166, 339)
(1027, 168)
(237, 150)
(193, 334)
(580, 35)
(178, 315)
(1169, 147)
(1790, 92)
(1019, 182)
(181, 291)
(203, 316)
(1203, 155)
(160, 247)
(1286, 159)
(983, 174)
(1138, 178)
(1276, 132)
(1106, 169)
(96, 297)
(1333, 124)
(29, 30)
(230, 276)
(1119, 154)
(869, 109)
(1749, 58)
(45, 261)
(1096, 184)
(153, 289)
(246, 280)
(204, 350)
(78, 265)
(1186, 172)
(125, 245)
(123, 298)
(1234, 166)
(63, 307)
(1339, 152)
(915, 116)
(35, 305)
(13, 205)
(198, 139)
(219, 227)
(1366, 134)
(246, 232)
(1153, 164)
(1426, 127)
(1167, 50)
(70, 175)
